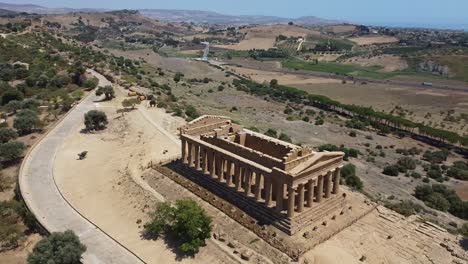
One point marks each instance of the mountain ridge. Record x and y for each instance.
(176, 15)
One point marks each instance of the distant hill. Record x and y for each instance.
(218, 18)
(179, 15)
(4, 12)
(30, 8)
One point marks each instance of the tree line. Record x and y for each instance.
(379, 120)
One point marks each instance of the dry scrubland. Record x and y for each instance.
(389, 63)
(264, 37)
(373, 40)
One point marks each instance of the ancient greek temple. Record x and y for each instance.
(286, 184)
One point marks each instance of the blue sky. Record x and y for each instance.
(390, 12)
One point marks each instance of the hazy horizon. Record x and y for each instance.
(417, 13)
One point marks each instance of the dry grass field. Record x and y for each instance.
(264, 37)
(373, 40)
(389, 63)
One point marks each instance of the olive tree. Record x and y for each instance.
(107, 91)
(58, 248)
(185, 220)
(26, 121)
(95, 120)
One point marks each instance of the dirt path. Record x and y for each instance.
(107, 186)
(45, 200)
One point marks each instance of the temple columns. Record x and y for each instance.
(300, 205)
(279, 196)
(205, 164)
(268, 194)
(197, 157)
(328, 184)
(237, 176)
(258, 190)
(229, 173)
(211, 160)
(310, 192)
(220, 168)
(291, 198)
(190, 154)
(184, 151)
(336, 181)
(319, 194)
(248, 181)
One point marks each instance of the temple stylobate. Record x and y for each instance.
(277, 181)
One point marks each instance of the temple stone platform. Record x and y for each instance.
(275, 181)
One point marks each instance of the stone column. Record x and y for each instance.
(205, 163)
(197, 157)
(319, 194)
(221, 169)
(258, 190)
(291, 198)
(211, 156)
(248, 181)
(310, 192)
(279, 196)
(184, 151)
(300, 206)
(268, 195)
(336, 180)
(190, 154)
(238, 176)
(229, 173)
(328, 184)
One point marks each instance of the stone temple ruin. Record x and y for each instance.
(276, 182)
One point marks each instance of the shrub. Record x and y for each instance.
(319, 122)
(130, 102)
(459, 170)
(26, 121)
(107, 91)
(192, 112)
(271, 133)
(11, 95)
(11, 150)
(352, 134)
(391, 170)
(7, 134)
(58, 248)
(407, 162)
(95, 120)
(406, 208)
(186, 220)
(436, 156)
(284, 137)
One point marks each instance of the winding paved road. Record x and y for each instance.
(44, 199)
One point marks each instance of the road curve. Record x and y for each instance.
(43, 198)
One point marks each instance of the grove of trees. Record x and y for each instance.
(185, 220)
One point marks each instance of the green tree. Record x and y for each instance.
(273, 83)
(11, 150)
(284, 137)
(391, 170)
(13, 106)
(7, 134)
(271, 133)
(11, 95)
(177, 77)
(95, 120)
(107, 91)
(58, 248)
(464, 230)
(130, 102)
(186, 220)
(26, 121)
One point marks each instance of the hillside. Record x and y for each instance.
(217, 18)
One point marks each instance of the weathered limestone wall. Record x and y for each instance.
(271, 148)
(255, 156)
